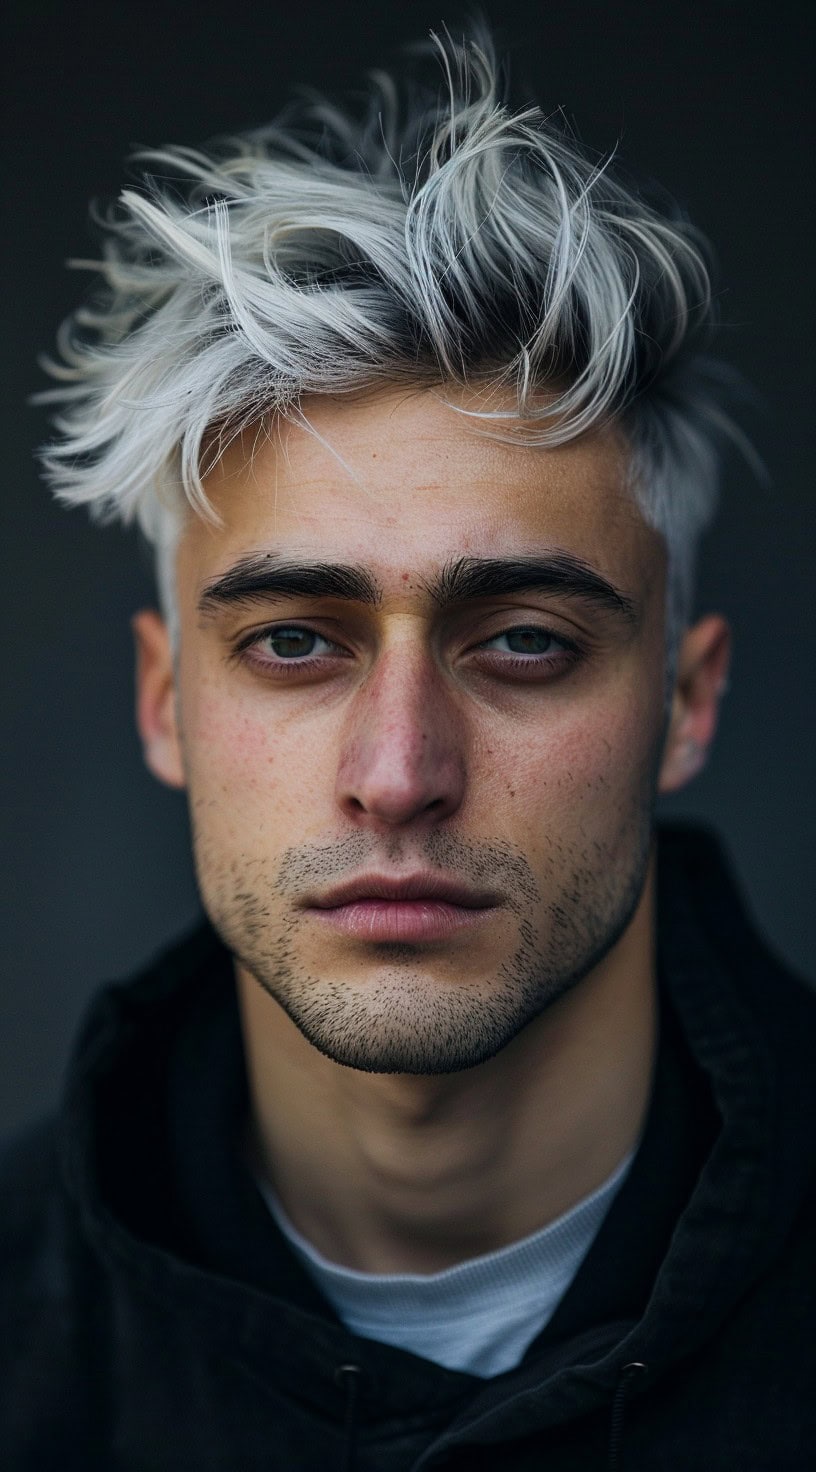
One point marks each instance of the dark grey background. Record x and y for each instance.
(709, 99)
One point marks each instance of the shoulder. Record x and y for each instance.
(41, 1248)
(699, 884)
(36, 1237)
(749, 1017)
(50, 1291)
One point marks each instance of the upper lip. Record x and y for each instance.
(427, 886)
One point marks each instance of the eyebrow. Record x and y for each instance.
(261, 576)
(468, 578)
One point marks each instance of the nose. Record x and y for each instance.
(403, 756)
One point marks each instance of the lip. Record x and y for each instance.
(409, 908)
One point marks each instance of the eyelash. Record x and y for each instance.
(569, 654)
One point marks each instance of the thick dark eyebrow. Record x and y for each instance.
(260, 576)
(467, 578)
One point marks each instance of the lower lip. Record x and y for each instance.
(401, 920)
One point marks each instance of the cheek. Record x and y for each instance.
(249, 777)
(589, 772)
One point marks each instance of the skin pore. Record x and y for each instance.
(357, 694)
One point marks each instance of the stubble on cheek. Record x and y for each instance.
(571, 877)
(394, 1010)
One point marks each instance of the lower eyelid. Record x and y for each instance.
(502, 656)
(266, 656)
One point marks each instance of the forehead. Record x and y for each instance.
(402, 482)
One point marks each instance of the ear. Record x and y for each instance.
(156, 698)
(702, 675)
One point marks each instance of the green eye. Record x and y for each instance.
(293, 643)
(524, 641)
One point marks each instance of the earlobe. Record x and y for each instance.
(156, 698)
(702, 674)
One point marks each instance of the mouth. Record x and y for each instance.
(411, 909)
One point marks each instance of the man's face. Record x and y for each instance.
(420, 812)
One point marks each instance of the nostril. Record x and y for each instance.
(399, 772)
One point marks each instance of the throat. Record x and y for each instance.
(397, 1174)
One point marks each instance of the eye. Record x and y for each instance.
(292, 643)
(527, 639)
(528, 652)
(287, 649)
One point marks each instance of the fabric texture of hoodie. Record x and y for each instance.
(154, 1319)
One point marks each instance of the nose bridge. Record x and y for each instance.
(403, 748)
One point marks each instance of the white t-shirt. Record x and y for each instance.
(479, 1316)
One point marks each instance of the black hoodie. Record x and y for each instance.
(153, 1319)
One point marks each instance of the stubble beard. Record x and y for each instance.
(400, 1020)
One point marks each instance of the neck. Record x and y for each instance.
(398, 1173)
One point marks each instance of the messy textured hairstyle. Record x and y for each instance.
(436, 239)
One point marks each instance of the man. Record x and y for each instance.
(474, 1128)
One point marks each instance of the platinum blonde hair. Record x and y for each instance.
(436, 240)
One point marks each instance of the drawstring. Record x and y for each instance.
(627, 1375)
(350, 1374)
